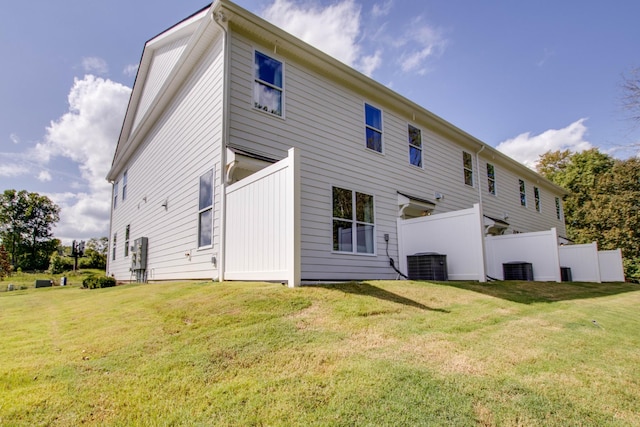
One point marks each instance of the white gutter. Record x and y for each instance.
(220, 20)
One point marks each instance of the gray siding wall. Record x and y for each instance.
(181, 146)
(326, 121)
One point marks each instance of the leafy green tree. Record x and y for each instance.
(604, 202)
(5, 264)
(26, 222)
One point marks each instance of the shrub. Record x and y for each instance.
(94, 282)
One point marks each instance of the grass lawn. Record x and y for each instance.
(370, 353)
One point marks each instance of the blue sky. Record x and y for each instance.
(524, 77)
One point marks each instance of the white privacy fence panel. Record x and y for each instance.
(263, 230)
(582, 260)
(539, 248)
(458, 235)
(611, 268)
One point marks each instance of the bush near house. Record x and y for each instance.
(95, 282)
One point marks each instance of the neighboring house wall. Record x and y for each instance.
(183, 144)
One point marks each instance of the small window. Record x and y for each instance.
(415, 146)
(205, 210)
(523, 193)
(268, 84)
(491, 179)
(113, 246)
(373, 125)
(353, 222)
(126, 241)
(115, 194)
(558, 208)
(467, 163)
(536, 197)
(124, 185)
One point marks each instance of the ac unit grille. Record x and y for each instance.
(427, 266)
(517, 270)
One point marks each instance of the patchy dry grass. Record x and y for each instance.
(370, 353)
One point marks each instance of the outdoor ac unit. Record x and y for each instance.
(517, 270)
(139, 254)
(427, 266)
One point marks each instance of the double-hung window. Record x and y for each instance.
(415, 146)
(467, 164)
(205, 210)
(373, 127)
(124, 185)
(268, 84)
(491, 179)
(113, 246)
(115, 194)
(536, 197)
(523, 193)
(353, 222)
(126, 240)
(558, 208)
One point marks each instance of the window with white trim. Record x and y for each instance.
(124, 185)
(268, 85)
(467, 164)
(373, 127)
(415, 146)
(126, 241)
(113, 246)
(536, 197)
(558, 208)
(353, 222)
(205, 210)
(491, 179)
(523, 193)
(115, 194)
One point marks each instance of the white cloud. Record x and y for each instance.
(86, 134)
(334, 29)
(382, 9)
(526, 148)
(94, 64)
(368, 64)
(11, 168)
(14, 138)
(44, 176)
(130, 70)
(420, 43)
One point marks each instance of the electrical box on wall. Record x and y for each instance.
(139, 254)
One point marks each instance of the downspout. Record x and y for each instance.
(484, 255)
(109, 238)
(220, 20)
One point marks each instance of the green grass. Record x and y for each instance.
(370, 353)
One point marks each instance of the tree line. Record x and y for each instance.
(26, 235)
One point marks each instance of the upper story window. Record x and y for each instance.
(124, 185)
(558, 208)
(373, 123)
(536, 197)
(491, 179)
(523, 193)
(205, 210)
(268, 84)
(353, 222)
(467, 163)
(415, 146)
(115, 194)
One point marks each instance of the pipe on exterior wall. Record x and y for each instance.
(220, 20)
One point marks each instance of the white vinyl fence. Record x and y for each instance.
(588, 264)
(263, 224)
(458, 235)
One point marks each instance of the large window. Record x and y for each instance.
(467, 163)
(536, 197)
(353, 222)
(268, 84)
(373, 125)
(115, 194)
(124, 185)
(491, 179)
(558, 208)
(415, 146)
(523, 193)
(205, 210)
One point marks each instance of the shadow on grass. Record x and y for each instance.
(364, 288)
(533, 292)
